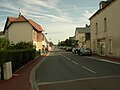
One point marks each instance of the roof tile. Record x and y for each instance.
(21, 18)
(35, 25)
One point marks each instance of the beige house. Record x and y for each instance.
(105, 29)
(45, 42)
(82, 34)
(22, 29)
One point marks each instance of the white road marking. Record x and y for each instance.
(88, 69)
(63, 55)
(104, 60)
(71, 60)
(75, 62)
(68, 58)
(80, 79)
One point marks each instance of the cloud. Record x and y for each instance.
(88, 14)
(59, 20)
(1, 26)
(8, 5)
(33, 8)
(75, 7)
(60, 31)
(42, 3)
(8, 11)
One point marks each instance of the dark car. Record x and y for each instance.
(84, 51)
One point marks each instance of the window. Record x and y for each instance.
(94, 46)
(87, 36)
(110, 46)
(96, 27)
(105, 25)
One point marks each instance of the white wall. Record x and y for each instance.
(7, 70)
(20, 31)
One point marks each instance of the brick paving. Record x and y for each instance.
(21, 78)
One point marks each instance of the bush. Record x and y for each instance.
(21, 45)
(18, 57)
(4, 43)
(20, 53)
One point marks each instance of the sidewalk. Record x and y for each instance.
(20, 79)
(113, 59)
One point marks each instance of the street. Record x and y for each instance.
(63, 70)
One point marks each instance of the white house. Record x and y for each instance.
(82, 34)
(22, 29)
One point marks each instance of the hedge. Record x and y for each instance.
(18, 57)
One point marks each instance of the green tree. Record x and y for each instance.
(4, 43)
(22, 45)
(74, 43)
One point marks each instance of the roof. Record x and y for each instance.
(11, 19)
(109, 2)
(35, 25)
(21, 18)
(83, 30)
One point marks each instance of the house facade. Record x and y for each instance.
(45, 42)
(82, 34)
(22, 29)
(105, 29)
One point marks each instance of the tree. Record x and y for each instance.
(22, 45)
(4, 43)
(74, 43)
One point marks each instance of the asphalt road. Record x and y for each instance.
(63, 70)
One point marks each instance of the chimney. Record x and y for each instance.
(86, 25)
(19, 14)
(102, 4)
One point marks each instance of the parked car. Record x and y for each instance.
(84, 51)
(75, 50)
(64, 48)
(68, 48)
(60, 47)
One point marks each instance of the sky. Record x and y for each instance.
(59, 18)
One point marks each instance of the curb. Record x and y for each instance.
(105, 60)
(33, 82)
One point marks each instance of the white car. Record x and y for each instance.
(75, 50)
